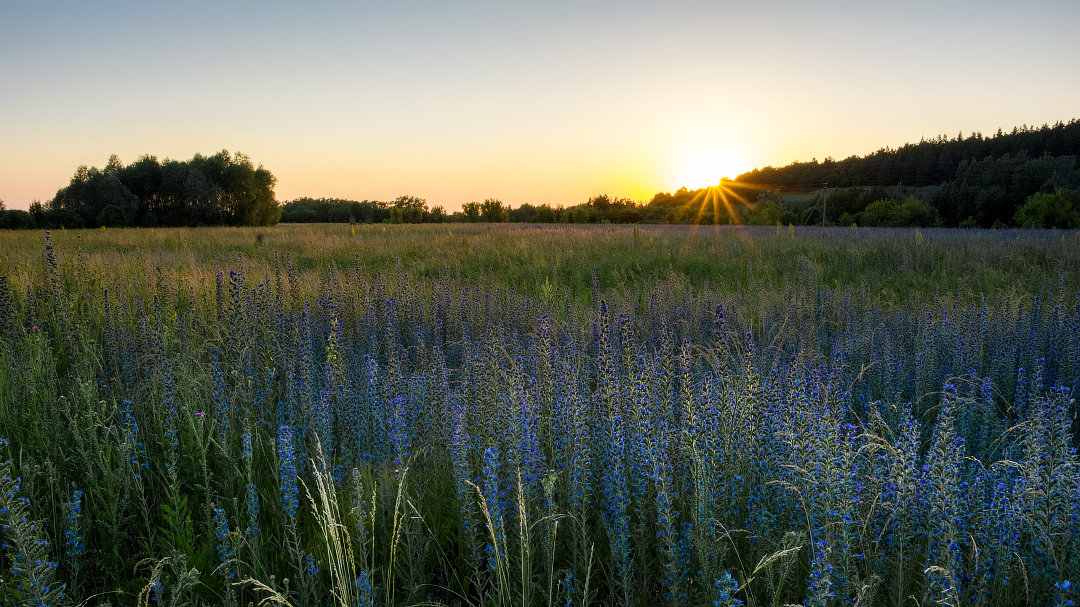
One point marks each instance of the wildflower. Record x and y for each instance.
(496, 553)
(73, 538)
(252, 511)
(289, 490)
(726, 588)
(225, 539)
(363, 586)
(568, 585)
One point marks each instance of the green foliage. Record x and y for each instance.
(984, 179)
(543, 213)
(1059, 209)
(25, 546)
(471, 211)
(581, 214)
(990, 190)
(494, 211)
(412, 208)
(771, 211)
(909, 212)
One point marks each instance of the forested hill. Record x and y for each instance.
(929, 162)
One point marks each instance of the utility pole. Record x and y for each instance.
(824, 202)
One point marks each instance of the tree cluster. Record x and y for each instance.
(15, 219)
(333, 210)
(988, 192)
(223, 189)
(1057, 209)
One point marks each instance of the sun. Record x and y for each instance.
(707, 166)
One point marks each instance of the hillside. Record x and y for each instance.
(928, 162)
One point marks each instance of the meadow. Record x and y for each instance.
(524, 415)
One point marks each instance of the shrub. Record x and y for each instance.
(1059, 209)
(890, 213)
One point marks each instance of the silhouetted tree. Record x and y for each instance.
(494, 211)
(522, 214)
(412, 208)
(471, 211)
(544, 214)
(206, 190)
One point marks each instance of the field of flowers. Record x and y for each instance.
(512, 415)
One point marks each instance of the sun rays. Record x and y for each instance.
(726, 197)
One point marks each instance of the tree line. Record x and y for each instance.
(412, 209)
(1009, 191)
(1027, 177)
(222, 189)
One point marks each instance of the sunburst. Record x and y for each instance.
(723, 197)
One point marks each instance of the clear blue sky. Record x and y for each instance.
(526, 102)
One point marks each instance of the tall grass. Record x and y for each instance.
(477, 415)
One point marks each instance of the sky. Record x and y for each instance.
(540, 102)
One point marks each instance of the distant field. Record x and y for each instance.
(892, 265)
(539, 415)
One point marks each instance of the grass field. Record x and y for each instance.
(525, 415)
